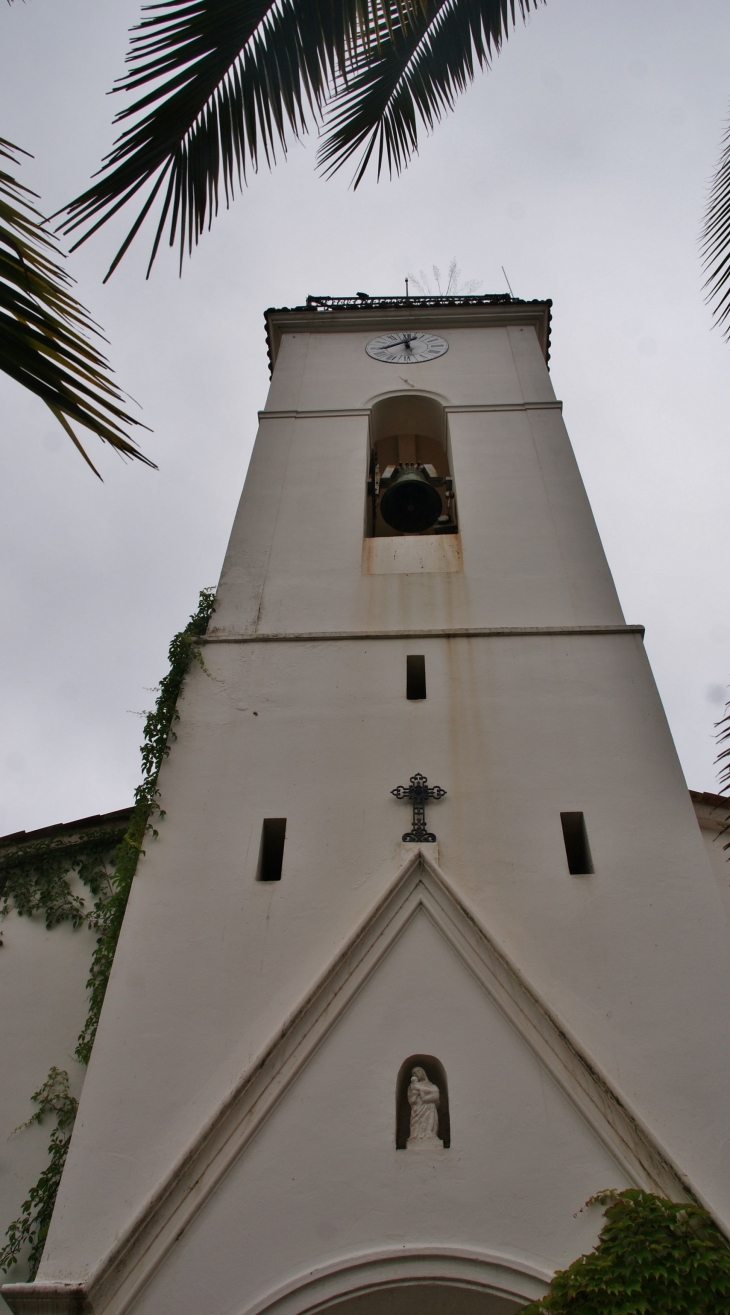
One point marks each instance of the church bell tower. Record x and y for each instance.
(428, 950)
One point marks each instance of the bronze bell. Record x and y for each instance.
(410, 503)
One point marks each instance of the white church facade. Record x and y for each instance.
(433, 943)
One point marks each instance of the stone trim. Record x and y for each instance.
(454, 1267)
(466, 632)
(370, 319)
(468, 409)
(46, 1298)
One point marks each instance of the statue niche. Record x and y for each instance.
(422, 1105)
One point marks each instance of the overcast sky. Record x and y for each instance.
(580, 163)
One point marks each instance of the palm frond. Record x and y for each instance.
(228, 80)
(415, 76)
(722, 760)
(715, 241)
(44, 331)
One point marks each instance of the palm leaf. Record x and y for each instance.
(715, 241)
(416, 75)
(226, 82)
(44, 331)
(230, 79)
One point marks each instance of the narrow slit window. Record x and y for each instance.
(577, 849)
(415, 676)
(271, 857)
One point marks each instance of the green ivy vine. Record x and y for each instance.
(31, 1226)
(34, 880)
(653, 1257)
(159, 734)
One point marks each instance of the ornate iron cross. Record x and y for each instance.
(418, 793)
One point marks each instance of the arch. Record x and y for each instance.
(436, 1073)
(408, 413)
(432, 1297)
(410, 1281)
(441, 398)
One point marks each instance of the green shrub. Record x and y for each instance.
(654, 1257)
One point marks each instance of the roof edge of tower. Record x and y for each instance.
(333, 314)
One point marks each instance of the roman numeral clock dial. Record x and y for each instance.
(406, 348)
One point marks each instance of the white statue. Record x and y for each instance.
(423, 1098)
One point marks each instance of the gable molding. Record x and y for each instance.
(420, 884)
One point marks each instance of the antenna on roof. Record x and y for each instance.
(406, 289)
(509, 285)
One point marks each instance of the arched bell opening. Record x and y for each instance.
(410, 487)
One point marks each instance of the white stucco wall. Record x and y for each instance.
(713, 815)
(321, 1182)
(633, 957)
(532, 555)
(43, 976)
(517, 727)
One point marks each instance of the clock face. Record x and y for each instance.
(407, 347)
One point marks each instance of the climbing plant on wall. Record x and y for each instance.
(159, 734)
(653, 1257)
(35, 881)
(34, 878)
(31, 1227)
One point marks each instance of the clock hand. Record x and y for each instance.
(405, 342)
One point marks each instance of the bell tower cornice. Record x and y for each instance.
(335, 314)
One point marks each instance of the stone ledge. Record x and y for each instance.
(46, 1298)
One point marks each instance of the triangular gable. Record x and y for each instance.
(419, 885)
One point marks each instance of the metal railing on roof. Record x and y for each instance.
(363, 300)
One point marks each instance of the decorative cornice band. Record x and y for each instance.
(467, 409)
(466, 632)
(553, 404)
(46, 1298)
(317, 414)
(389, 313)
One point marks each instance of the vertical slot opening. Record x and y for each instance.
(577, 849)
(271, 856)
(415, 676)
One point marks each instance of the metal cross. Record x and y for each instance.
(418, 793)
